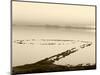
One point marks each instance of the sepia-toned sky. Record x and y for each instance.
(27, 13)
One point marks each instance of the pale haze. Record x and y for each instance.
(27, 13)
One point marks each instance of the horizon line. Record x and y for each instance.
(56, 26)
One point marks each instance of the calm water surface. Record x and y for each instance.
(31, 53)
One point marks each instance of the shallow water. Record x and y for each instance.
(35, 50)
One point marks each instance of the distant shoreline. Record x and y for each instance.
(56, 26)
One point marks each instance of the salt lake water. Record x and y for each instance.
(34, 51)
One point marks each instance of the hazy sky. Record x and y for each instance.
(26, 13)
